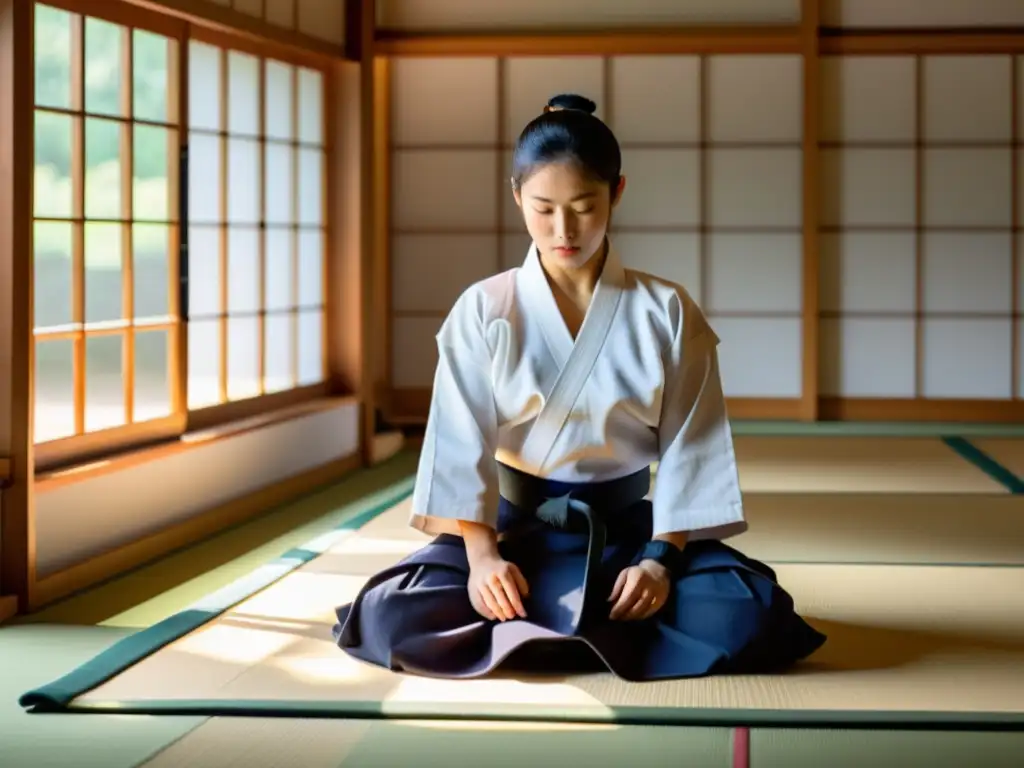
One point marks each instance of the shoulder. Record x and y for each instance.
(479, 305)
(670, 304)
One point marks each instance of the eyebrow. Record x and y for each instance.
(584, 196)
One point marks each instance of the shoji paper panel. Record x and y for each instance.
(752, 256)
(713, 197)
(444, 199)
(420, 15)
(922, 13)
(967, 259)
(868, 262)
(917, 257)
(656, 227)
(322, 19)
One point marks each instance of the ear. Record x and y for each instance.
(515, 193)
(619, 189)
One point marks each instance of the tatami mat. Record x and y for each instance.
(903, 640)
(1008, 452)
(879, 528)
(275, 743)
(857, 464)
(800, 748)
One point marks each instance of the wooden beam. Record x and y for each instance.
(383, 336)
(921, 410)
(17, 83)
(920, 42)
(357, 214)
(8, 607)
(690, 40)
(811, 195)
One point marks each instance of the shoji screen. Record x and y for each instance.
(713, 200)
(322, 19)
(445, 205)
(918, 294)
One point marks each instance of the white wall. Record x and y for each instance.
(454, 219)
(322, 19)
(80, 520)
(869, 249)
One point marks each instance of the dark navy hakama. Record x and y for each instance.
(726, 613)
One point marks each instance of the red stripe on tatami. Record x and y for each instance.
(740, 748)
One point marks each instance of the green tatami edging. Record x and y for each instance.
(968, 451)
(597, 714)
(58, 695)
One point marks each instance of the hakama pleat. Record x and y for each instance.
(726, 612)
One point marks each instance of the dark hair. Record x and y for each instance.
(568, 131)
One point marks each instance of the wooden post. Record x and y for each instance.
(17, 523)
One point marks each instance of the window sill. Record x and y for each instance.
(48, 480)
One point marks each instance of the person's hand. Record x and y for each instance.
(640, 591)
(497, 588)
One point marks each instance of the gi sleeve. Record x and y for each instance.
(457, 474)
(697, 488)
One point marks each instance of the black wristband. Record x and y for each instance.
(664, 553)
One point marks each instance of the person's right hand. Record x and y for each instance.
(497, 588)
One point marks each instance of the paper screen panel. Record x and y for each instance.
(863, 187)
(967, 98)
(429, 272)
(868, 272)
(1020, 96)
(867, 98)
(862, 357)
(760, 356)
(531, 81)
(967, 273)
(912, 14)
(414, 351)
(754, 273)
(967, 358)
(754, 188)
(672, 256)
(280, 12)
(643, 114)
(323, 19)
(755, 98)
(444, 101)
(444, 190)
(249, 7)
(1020, 359)
(662, 189)
(514, 247)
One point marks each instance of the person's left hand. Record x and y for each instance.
(640, 591)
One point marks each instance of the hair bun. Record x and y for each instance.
(571, 101)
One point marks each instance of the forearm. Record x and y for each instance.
(481, 540)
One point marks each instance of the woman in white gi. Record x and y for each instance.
(558, 384)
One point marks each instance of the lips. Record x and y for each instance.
(566, 251)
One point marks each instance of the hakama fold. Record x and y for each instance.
(726, 612)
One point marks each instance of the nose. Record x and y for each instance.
(565, 226)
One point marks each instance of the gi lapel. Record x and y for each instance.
(576, 369)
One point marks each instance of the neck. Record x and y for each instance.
(577, 282)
